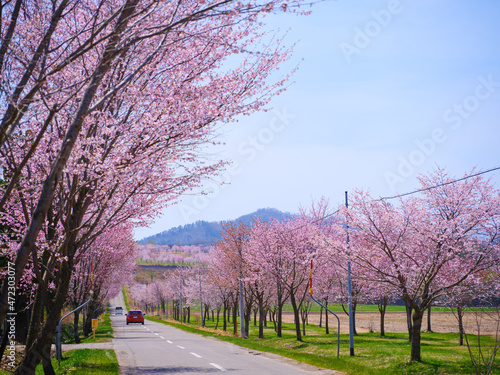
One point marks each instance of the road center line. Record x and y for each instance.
(170, 342)
(217, 366)
(181, 347)
(157, 334)
(196, 355)
(162, 337)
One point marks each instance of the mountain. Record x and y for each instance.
(206, 232)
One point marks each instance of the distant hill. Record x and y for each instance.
(206, 232)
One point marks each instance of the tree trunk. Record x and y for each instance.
(235, 318)
(272, 318)
(262, 317)
(320, 316)
(76, 333)
(304, 314)
(87, 323)
(346, 311)
(47, 366)
(4, 339)
(429, 327)
(255, 316)
(327, 328)
(409, 321)
(36, 316)
(41, 347)
(354, 304)
(415, 342)
(296, 317)
(280, 313)
(218, 313)
(382, 323)
(382, 308)
(304, 318)
(247, 312)
(460, 313)
(70, 139)
(224, 318)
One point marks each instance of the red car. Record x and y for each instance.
(135, 316)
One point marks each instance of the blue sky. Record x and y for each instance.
(386, 90)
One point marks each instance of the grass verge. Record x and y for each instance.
(86, 361)
(125, 293)
(103, 333)
(374, 355)
(83, 362)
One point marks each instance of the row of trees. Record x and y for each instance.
(441, 246)
(107, 108)
(187, 254)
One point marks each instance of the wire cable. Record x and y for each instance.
(440, 185)
(405, 194)
(381, 199)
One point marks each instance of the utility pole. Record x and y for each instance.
(349, 286)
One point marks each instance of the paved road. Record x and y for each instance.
(155, 348)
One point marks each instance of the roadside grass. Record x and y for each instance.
(83, 362)
(374, 354)
(85, 358)
(126, 294)
(86, 361)
(337, 307)
(103, 333)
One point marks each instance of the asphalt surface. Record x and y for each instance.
(155, 348)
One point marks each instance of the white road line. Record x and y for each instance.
(217, 366)
(196, 355)
(181, 347)
(162, 337)
(170, 342)
(157, 334)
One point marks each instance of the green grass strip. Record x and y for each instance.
(86, 361)
(374, 355)
(103, 333)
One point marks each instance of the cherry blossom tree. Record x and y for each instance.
(94, 78)
(112, 259)
(234, 266)
(288, 261)
(265, 256)
(428, 245)
(262, 284)
(79, 137)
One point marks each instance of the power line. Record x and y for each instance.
(440, 185)
(405, 194)
(383, 198)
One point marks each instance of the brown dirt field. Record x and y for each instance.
(443, 322)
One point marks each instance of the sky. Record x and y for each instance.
(385, 91)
